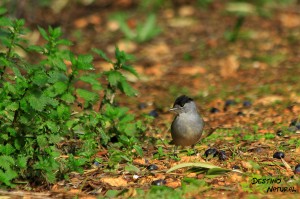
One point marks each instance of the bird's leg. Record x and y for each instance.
(175, 149)
(195, 150)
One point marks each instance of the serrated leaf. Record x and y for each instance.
(42, 141)
(7, 149)
(38, 49)
(60, 87)
(114, 77)
(53, 127)
(63, 112)
(64, 42)
(8, 86)
(7, 162)
(36, 103)
(55, 76)
(51, 101)
(87, 95)
(43, 33)
(18, 144)
(12, 106)
(57, 62)
(84, 62)
(102, 55)
(50, 176)
(130, 69)
(68, 97)
(56, 32)
(92, 79)
(4, 61)
(104, 138)
(127, 89)
(40, 79)
(139, 150)
(54, 138)
(148, 29)
(7, 176)
(4, 136)
(22, 162)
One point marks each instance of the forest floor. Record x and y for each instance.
(247, 90)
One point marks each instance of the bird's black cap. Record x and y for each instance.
(182, 100)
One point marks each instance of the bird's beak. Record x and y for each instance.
(175, 109)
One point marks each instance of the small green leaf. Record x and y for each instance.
(2, 11)
(104, 138)
(60, 87)
(7, 176)
(130, 69)
(127, 89)
(87, 95)
(53, 127)
(92, 79)
(114, 77)
(43, 33)
(57, 62)
(63, 112)
(64, 42)
(22, 162)
(7, 149)
(38, 49)
(84, 62)
(139, 150)
(40, 79)
(148, 29)
(68, 97)
(5, 22)
(102, 55)
(42, 141)
(56, 33)
(132, 168)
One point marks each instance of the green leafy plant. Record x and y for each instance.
(143, 32)
(43, 134)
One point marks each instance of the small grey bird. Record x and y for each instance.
(186, 128)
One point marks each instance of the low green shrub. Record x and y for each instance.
(42, 137)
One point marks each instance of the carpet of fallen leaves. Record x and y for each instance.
(247, 90)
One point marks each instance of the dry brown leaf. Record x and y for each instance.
(157, 52)
(81, 23)
(290, 20)
(173, 184)
(127, 46)
(229, 66)
(155, 71)
(115, 182)
(191, 70)
(94, 19)
(74, 191)
(103, 66)
(236, 177)
(130, 193)
(185, 11)
(246, 165)
(269, 99)
(113, 25)
(139, 161)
